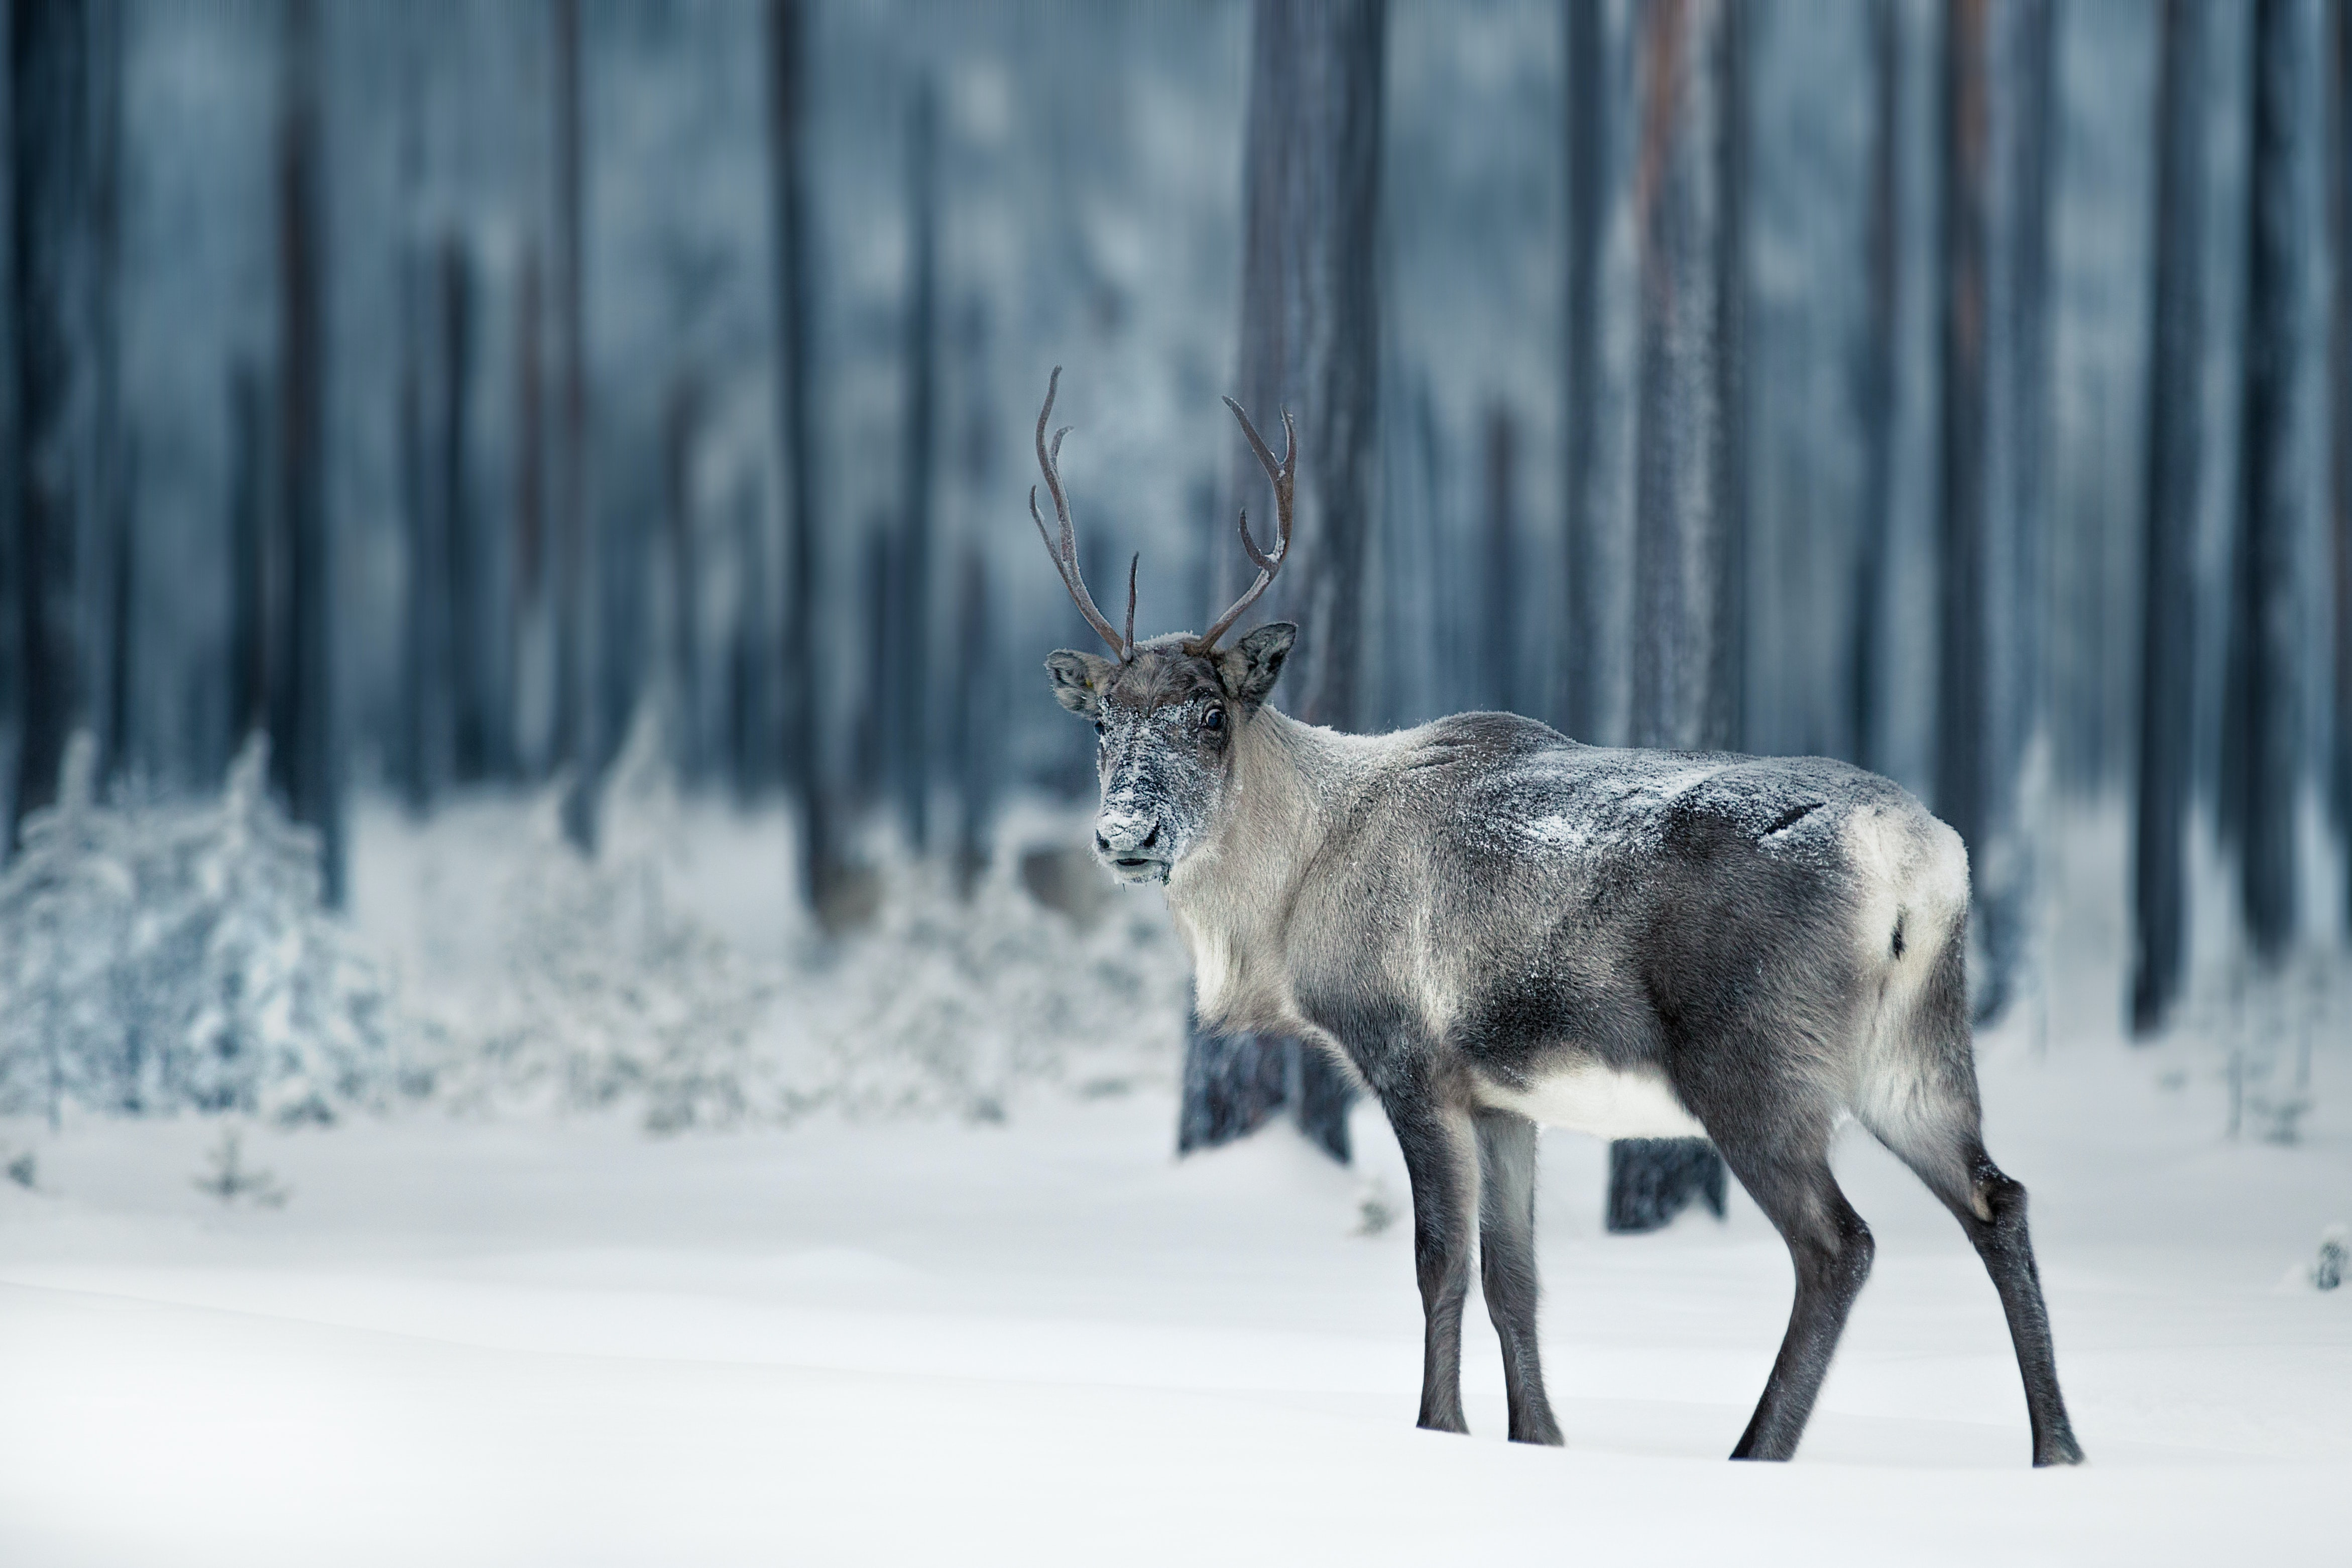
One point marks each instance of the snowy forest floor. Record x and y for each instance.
(542, 1337)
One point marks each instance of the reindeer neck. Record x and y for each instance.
(1291, 782)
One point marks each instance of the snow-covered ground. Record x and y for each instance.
(528, 1335)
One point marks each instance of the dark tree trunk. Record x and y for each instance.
(1875, 388)
(2168, 667)
(1498, 628)
(1310, 344)
(1688, 559)
(530, 607)
(578, 742)
(2339, 379)
(1995, 332)
(470, 740)
(908, 709)
(423, 753)
(977, 730)
(680, 428)
(2261, 762)
(804, 669)
(303, 754)
(254, 590)
(1686, 548)
(54, 266)
(1594, 666)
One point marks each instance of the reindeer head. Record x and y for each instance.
(1167, 710)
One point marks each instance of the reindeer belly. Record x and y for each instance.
(1584, 1096)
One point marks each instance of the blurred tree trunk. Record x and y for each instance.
(1498, 628)
(57, 240)
(422, 753)
(1689, 560)
(1687, 555)
(2339, 362)
(2176, 335)
(471, 741)
(1874, 386)
(909, 702)
(1995, 396)
(303, 754)
(253, 588)
(1310, 343)
(578, 743)
(806, 670)
(2261, 757)
(1595, 674)
(681, 428)
(977, 722)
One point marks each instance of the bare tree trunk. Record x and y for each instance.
(2340, 360)
(978, 724)
(53, 269)
(530, 607)
(1875, 387)
(1995, 342)
(806, 670)
(1595, 673)
(1310, 343)
(303, 756)
(680, 429)
(422, 754)
(1498, 629)
(470, 739)
(2260, 761)
(2159, 881)
(578, 740)
(253, 591)
(909, 713)
(1689, 560)
(1686, 551)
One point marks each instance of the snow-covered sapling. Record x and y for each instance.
(229, 1179)
(1495, 927)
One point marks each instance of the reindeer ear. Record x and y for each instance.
(1251, 666)
(1080, 680)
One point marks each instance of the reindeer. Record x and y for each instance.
(1495, 927)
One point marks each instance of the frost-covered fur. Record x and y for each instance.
(1492, 925)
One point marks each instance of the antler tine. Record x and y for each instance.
(1132, 562)
(1282, 474)
(1066, 556)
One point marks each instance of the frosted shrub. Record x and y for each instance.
(155, 960)
(607, 990)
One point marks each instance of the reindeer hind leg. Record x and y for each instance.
(1506, 1264)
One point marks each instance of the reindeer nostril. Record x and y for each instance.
(1102, 844)
(1150, 838)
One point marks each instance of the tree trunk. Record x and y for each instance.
(253, 591)
(2159, 881)
(54, 272)
(2260, 761)
(908, 711)
(1596, 676)
(806, 670)
(1995, 341)
(2340, 360)
(681, 422)
(1310, 343)
(303, 754)
(978, 722)
(578, 742)
(471, 741)
(1498, 628)
(1689, 561)
(1874, 388)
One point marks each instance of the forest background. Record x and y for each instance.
(449, 393)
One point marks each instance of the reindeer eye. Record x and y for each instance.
(1213, 719)
(1099, 728)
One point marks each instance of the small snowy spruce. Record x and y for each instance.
(177, 957)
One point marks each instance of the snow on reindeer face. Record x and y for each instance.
(1168, 719)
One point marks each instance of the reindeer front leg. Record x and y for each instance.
(1442, 1156)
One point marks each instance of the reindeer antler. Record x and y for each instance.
(1267, 565)
(1066, 556)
